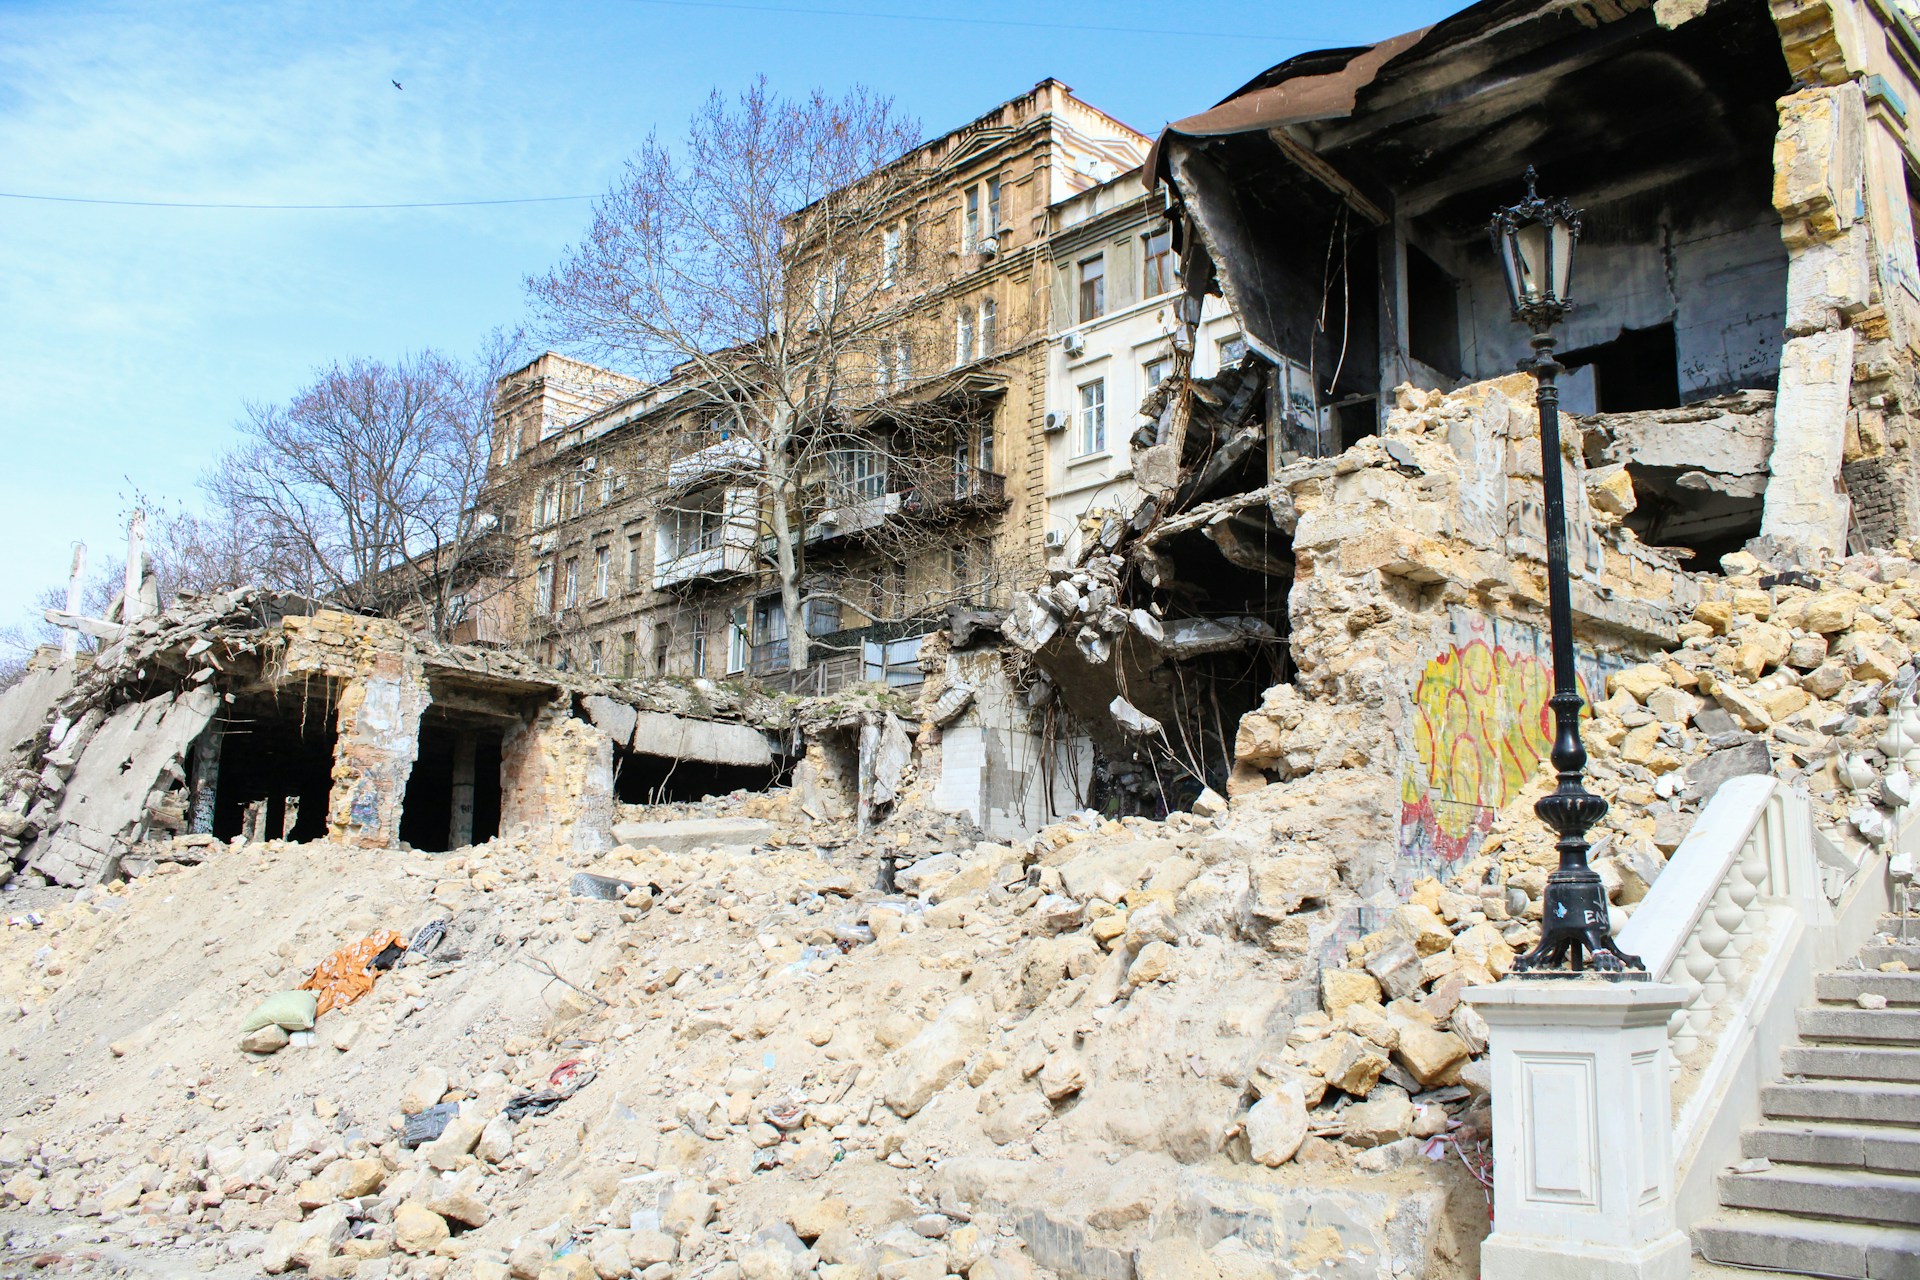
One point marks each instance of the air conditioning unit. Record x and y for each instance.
(989, 246)
(1056, 422)
(590, 464)
(1073, 343)
(1056, 539)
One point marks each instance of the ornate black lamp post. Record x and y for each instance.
(1534, 241)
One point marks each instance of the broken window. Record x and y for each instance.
(1092, 436)
(662, 644)
(699, 644)
(1433, 314)
(1158, 256)
(1231, 350)
(692, 525)
(1093, 288)
(629, 648)
(1638, 370)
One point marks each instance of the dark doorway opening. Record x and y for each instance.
(1433, 314)
(453, 793)
(275, 750)
(1640, 369)
(640, 778)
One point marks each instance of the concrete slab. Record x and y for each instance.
(658, 733)
(683, 834)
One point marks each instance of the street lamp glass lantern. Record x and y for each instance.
(1534, 241)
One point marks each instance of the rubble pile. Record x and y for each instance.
(1038, 1058)
(1784, 670)
(181, 650)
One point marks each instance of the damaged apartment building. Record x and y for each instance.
(247, 715)
(1341, 505)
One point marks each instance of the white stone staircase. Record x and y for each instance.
(1830, 1180)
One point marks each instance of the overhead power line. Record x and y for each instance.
(195, 204)
(981, 22)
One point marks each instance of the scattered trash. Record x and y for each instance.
(567, 1079)
(1754, 1164)
(289, 1010)
(425, 1126)
(428, 937)
(348, 973)
(606, 888)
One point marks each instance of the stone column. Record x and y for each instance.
(460, 823)
(1582, 1130)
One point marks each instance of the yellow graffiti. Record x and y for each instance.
(1481, 727)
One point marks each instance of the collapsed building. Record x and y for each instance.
(1739, 366)
(252, 716)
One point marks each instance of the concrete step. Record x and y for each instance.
(1844, 986)
(1906, 927)
(1852, 1062)
(1882, 1148)
(1876, 954)
(1860, 1102)
(1780, 1242)
(1817, 1191)
(1824, 1022)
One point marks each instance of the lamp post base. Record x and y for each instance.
(1575, 932)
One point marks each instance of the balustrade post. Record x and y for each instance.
(1583, 1170)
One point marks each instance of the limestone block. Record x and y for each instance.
(1277, 1124)
(417, 1229)
(1639, 681)
(428, 1086)
(1429, 1055)
(1342, 987)
(1347, 1063)
(1803, 504)
(680, 835)
(935, 1056)
(1282, 884)
(1383, 1118)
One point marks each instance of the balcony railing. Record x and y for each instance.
(730, 554)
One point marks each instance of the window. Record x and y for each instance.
(1159, 263)
(738, 639)
(883, 376)
(993, 207)
(1232, 350)
(629, 654)
(693, 525)
(889, 256)
(596, 657)
(1093, 288)
(823, 616)
(972, 232)
(636, 560)
(699, 644)
(963, 336)
(577, 494)
(606, 487)
(860, 475)
(903, 361)
(543, 590)
(602, 557)
(573, 583)
(1093, 417)
(1156, 371)
(662, 644)
(549, 500)
(989, 324)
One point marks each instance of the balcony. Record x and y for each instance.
(959, 491)
(729, 555)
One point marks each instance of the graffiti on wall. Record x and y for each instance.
(1481, 727)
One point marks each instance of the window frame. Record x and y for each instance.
(1092, 302)
(963, 335)
(543, 579)
(573, 583)
(1090, 419)
(1159, 264)
(989, 325)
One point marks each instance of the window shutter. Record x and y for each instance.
(1123, 273)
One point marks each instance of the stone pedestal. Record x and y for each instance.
(1582, 1131)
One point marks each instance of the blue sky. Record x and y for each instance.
(134, 336)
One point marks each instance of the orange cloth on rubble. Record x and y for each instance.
(348, 973)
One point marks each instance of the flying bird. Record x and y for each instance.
(395, 83)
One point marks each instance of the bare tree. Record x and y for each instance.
(774, 259)
(363, 485)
